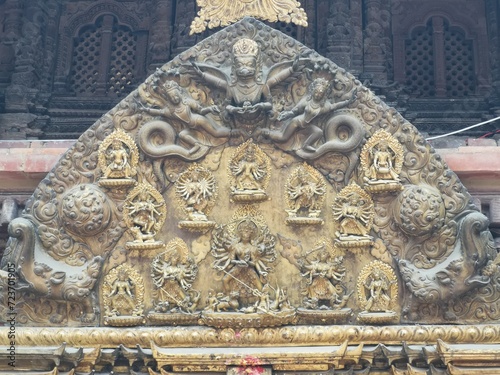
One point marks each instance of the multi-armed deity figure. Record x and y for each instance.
(173, 273)
(144, 213)
(196, 189)
(248, 85)
(305, 191)
(324, 275)
(353, 209)
(244, 257)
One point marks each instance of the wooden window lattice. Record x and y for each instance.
(420, 62)
(459, 62)
(122, 61)
(85, 67)
(84, 74)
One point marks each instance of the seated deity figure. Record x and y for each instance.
(382, 168)
(118, 165)
(248, 173)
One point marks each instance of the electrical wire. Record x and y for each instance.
(464, 129)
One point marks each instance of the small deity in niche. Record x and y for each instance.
(196, 189)
(352, 219)
(250, 169)
(382, 160)
(305, 191)
(117, 157)
(353, 209)
(248, 86)
(383, 164)
(173, 273)
(121, 299)
(248, 172)
(324, 271)
(309, 108)
(144, 213)
(378, 288)
(244, 257)
(377, 293)
(181, 108)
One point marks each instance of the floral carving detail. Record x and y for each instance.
(215, 13)
(85, 210)
(419, 210)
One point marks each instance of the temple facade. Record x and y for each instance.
(258, 198)
(66, 62)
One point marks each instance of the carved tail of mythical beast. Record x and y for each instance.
(466, 268)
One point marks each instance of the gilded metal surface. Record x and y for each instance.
(118, 159)
(250, 172)
(173, 272)
(214, 13)
(353, 209)
(377, 290)
(382, 161)
(144, 213)
(196, 190)
(123, 297)
(305, 196)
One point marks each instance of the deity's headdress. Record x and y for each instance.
(246, 47)
(171, 85)
(249, 225)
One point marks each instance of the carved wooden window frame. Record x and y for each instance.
(70, 28)
(420, 14)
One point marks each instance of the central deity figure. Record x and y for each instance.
(244, 258)
(248, 88)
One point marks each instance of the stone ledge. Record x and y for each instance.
(23, 164)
